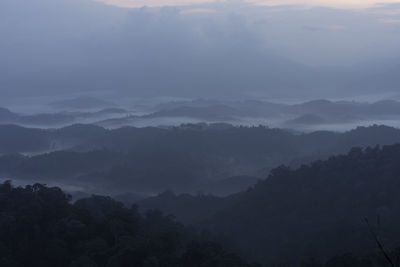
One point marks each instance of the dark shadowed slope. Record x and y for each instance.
(40, 227)
(181, 159)
(317, 210)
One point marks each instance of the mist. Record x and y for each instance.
(199, 133)
(213, 50)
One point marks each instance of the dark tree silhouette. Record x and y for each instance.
(40, 227)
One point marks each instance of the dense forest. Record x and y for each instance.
(189, 158)
(341, 212)
(39, 226)
(317, 210)
(213, 179)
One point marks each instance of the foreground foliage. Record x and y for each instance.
(40, 227)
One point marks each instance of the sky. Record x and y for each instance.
(352, 4)
(199, 48)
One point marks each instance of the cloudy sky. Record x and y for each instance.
(311, 3)
(199, 48)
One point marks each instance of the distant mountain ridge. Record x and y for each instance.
(57, 119)
(83, 102)
(253, 112)
(308, 116)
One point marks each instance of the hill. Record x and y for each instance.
(40, 227)
(83, 102)
(314, 211)
(182, 159)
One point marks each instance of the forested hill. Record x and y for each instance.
(317, 210)
(189, 158)
(39, 227)
(210, 137)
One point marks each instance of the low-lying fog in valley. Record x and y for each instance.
(111, 137)
(303, 116)
(199, 133)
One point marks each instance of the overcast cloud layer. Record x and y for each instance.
(199, 48)
(352, 4)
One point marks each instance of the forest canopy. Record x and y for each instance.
(39, 226)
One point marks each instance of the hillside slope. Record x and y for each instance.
(317, 210)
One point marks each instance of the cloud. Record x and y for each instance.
(153, 3)
(340, 4)
(390, 20)
(198, 11)
(387, 11)
(312, 3)
(332, 27)
(236, 47)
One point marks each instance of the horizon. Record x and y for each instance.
(215, 49)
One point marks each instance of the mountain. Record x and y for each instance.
(308, 119)
(191, 158)
(83, 102)
(213, 109)
(307, 116)
(231, 185)
(59, 119)
(208, 113)
(6, 115)
(16, 139)
(316, 211)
